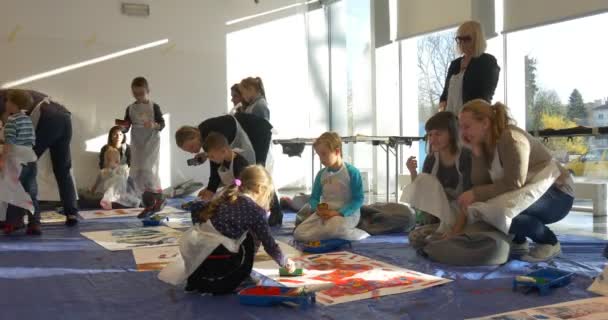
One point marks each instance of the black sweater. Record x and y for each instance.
(258, 130)
(479, 81)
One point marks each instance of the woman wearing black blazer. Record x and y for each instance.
(474, 75)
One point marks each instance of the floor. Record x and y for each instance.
(63, 275)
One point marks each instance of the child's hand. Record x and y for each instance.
(205, 195)
(290, 266)
(466, 199)
(412, 165)
(149, 124)
(328, 214)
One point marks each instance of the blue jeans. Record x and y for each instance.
(28, 181)
(553, 206)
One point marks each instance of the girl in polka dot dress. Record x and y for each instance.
(239, 215)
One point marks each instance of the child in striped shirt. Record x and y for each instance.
(19, 139)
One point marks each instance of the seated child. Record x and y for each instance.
(218, 251)
(340, 188)
(19, 165)
(446, 175)
(228, 163)
(113, 182)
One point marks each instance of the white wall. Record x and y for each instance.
(187, 76)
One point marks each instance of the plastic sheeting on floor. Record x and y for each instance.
(63, 275)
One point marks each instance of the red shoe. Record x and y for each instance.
(10, 228)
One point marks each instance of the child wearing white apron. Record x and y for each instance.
(340, 188)
(228, 162)
(18, 189)
(217, 252)
(113, 183)
(145, 121)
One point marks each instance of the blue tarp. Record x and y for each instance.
(63, 275)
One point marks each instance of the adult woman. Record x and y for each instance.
(514, 174)
(118, 141)
(474, 75)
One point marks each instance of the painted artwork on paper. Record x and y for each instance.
(116, 213)
(51, 217)
(585, 309)
(354, 277)
(125, 239)
(156, 258)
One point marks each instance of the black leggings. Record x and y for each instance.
(223, 271)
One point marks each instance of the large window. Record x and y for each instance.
(555, 78)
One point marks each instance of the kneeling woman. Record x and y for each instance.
(217, 253)
(445, 175)
(517, 186)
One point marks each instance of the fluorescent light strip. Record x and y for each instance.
(83, 64)
(235, 21)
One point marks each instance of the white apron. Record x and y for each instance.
(226, 174)
(241, 141)
(336, 193)
(145, 148)
(115, 188)
(500, 211)
(195, 246)
(454, 102)
(11, 190)
(47, 183)
(427, 194)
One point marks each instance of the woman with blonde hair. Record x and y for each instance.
(517, 186)
(474, 75)
(254, 97)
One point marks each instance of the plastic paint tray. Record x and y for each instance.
(547, 279)
(324, 246)
(269, 296)
(153, 222)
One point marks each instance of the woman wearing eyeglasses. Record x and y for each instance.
(474, 75)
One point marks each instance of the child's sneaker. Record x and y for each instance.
(158, 205)
(34, 230)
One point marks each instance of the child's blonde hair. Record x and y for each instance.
(185, 134)
(329, 139)
(111, 154)
(255, 181)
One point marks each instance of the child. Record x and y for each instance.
(19, 163)
(218, 250)
(254, 97)
(113, 182)
(238, 104)
(446, 171)
(339, 187)
(227, 163)
(145, 119)
(118, 140)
